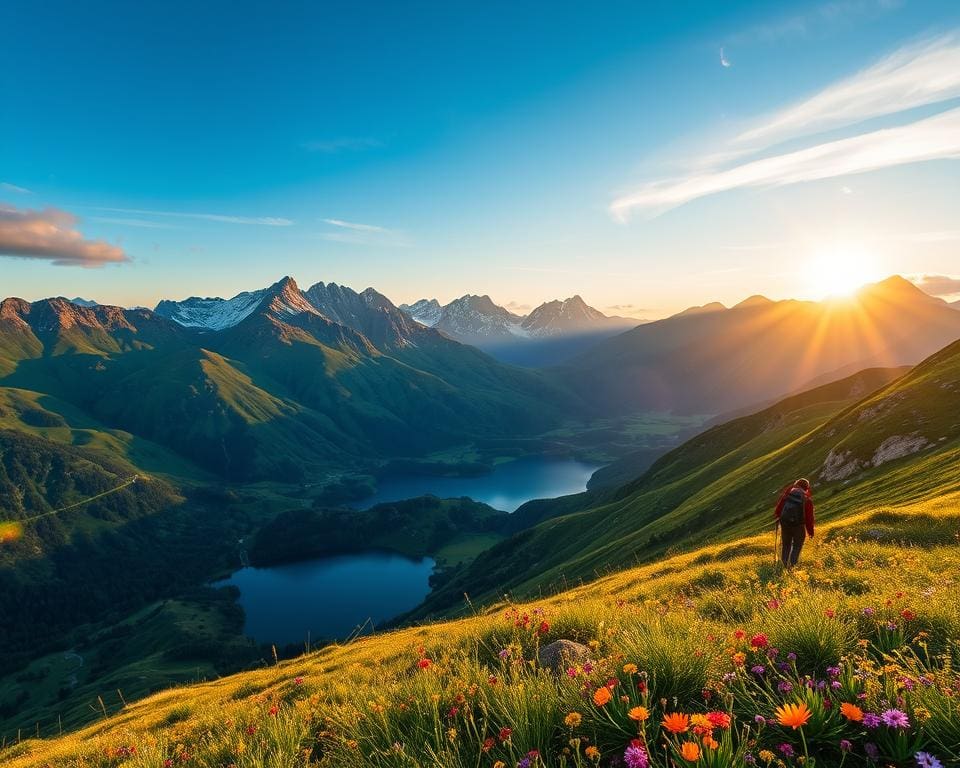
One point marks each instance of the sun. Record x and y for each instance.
(840, 269)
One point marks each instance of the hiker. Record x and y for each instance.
(795, 517)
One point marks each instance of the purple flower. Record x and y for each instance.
(833, 671)
(791, 656)
(870, 720)
(749, 759)
(868, 612)
(836, 685)
(895, 718)
(786, 750)
(926, 760)
(758, 669)
(783, 666)
(759, 719)
(729, 677)
(504, 654)
(635, 756)
(845, 745)
(772, 653)
(587, 668)
(524, 763)
(871, 749)
(784, 686)
(891, 626)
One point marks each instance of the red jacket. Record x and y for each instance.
(807, 508)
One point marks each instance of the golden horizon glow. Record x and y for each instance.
(839, 270)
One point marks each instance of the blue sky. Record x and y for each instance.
(525, 150)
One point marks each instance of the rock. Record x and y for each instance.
(559, 655)
(897, 447)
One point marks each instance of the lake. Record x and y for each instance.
(328, 597)
(510, 485)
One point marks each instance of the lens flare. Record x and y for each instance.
(10, 532)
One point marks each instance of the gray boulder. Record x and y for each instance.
(562, 654)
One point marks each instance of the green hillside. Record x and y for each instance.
(896, 445)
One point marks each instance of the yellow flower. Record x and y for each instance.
(573, 720)
(602, 696)
(630, 669)
(690, 751)
(701, 721)
(452, 734)
(499, 764)
(639, 714)
(592, 753)
(793, 715)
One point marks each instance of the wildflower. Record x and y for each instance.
(573, 720)
(784, 686)
(587, 668)
(630, 669)
(870, 720)
(709, 742)
(690, 751)
(424, 663)
(635, 756)
(833, 671)
(758, 669)
(273, 710)
(592, 753)
(739, 658)
(499, 764)
(298, 681)
(846, 745)
(907, 615)
(895, 718)
(452, 734)
(504, 654)
(767, 756)
(719, 719)
(505, 734)
(251, 729)
(488, 744)
(602, 696)
(759, 640)
(871, 749)
(791, 656)
(868, 612)
(852, 712)
(739, 634)
(793, 715)
(676, 722)
(639, 714)
(759, 719)
(544, 628)
(786, 750)
(926, 760)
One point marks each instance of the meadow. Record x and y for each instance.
(715, 657)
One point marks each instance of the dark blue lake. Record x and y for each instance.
(328, 597)
(509, 485)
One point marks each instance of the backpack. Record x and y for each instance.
(793, 508)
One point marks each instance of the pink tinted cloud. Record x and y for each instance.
(51, 235)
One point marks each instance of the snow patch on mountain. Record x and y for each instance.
(426, 311)
(214, 313)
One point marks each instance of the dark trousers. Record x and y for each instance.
(793, 537)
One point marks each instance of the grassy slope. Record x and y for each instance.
(724, 483)
(656, 615)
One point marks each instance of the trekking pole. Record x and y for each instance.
(776, 534)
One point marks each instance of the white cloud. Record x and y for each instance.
(267, 221)
(364, 234)
(934, 138)
(122, 222)
(800, 24)
(914, 76)
(8, 187)
(938, 285)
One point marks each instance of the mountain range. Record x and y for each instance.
(272, 383)
(713, 359)
(552, 332)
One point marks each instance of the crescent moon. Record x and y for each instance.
(724, 61)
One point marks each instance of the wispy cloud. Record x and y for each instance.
(51, 235)
(267, 221)
(355, 233)
(516, 306)
(354, 226)
(938, 285)
(923, 73)
(8, 187)
(342, 144)
(920, 74)
(933, 138)
(123, 222)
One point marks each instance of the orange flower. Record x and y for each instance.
(851, 712)
(639, 714)
(739, 658)
(690, 751)
(676, 722)
(793, 715)
(630, 669)
(602, 696)
(709, 742)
